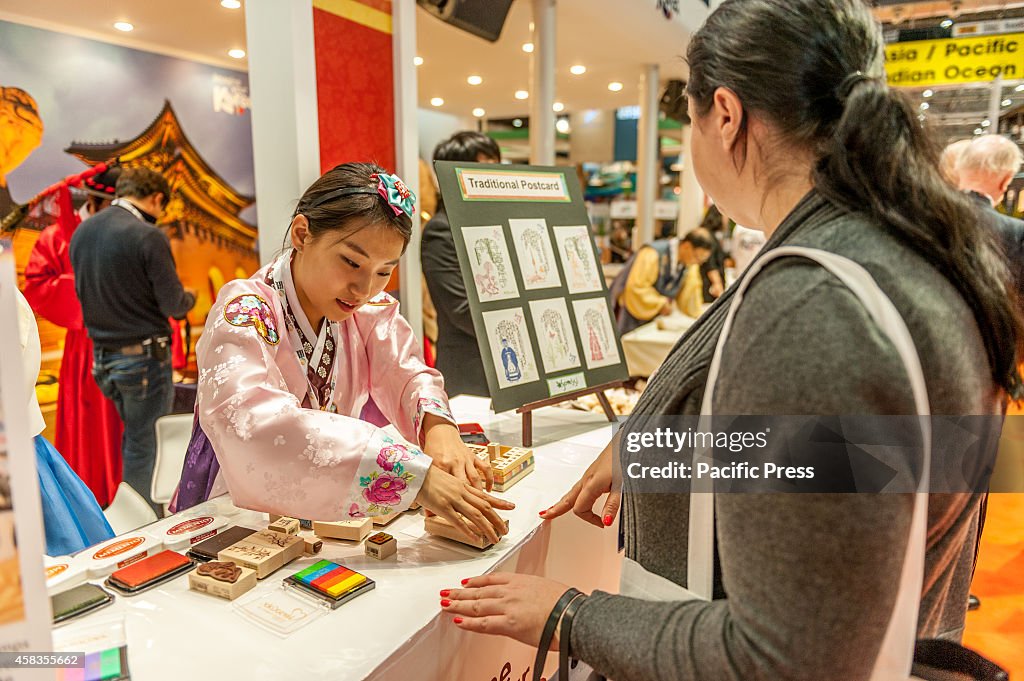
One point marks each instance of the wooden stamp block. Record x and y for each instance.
(264, 552)
(381, 546)
(383, 520)
(312, 545)
(509, 465)
(225, 580)
(285, 525)
(349, 530)
(440, 527)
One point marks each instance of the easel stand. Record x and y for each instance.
(527, 409)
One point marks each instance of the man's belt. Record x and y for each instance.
(144, 347)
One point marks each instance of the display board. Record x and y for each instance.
(533, 279)
(24, 604)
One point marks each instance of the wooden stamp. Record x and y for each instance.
(264, 551)
(285, 525)
(225, 580)
(438, 526)
(383, 520)
(509, 465)
(312, 545)
(349, 530)
(381, 546)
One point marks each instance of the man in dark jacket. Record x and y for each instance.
(984, 170)
(127, 283)
(458, 354)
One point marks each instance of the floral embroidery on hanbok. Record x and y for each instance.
(431, 405)
(382, 489)
(252, 310)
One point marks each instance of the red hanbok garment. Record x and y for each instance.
(88, 427)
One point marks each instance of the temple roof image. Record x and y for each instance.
(204, 202)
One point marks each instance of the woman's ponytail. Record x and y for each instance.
(822, 87)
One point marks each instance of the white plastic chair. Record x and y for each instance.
(172, 436)
(129, 510)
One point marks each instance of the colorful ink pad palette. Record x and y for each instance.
(149, 572)
(105, 665)
(330, 582)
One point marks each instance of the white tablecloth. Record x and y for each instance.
(395, 631)
(647, 346)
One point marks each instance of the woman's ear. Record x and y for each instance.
(300, 232)
(729, 117)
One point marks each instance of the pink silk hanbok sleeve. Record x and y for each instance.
(403, 386)
(276, 456)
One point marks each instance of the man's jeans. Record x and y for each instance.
(142, 389)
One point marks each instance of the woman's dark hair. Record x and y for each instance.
(467, 146)
(350, 211)
(820, 84)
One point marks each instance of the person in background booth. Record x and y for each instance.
(458, 354)
(984, 169)
(291, 355)
(128, 285)
(661, 275)
(799, 136)
(88, 428)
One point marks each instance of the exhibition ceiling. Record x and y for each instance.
(611, 42)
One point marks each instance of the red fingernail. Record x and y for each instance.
(458, 620)
(465, 581)
(543, 512)
(445, 593)
(607, 520)
(445, 603)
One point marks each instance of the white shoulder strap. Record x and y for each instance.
(896, 655)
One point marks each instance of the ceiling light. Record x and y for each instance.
(577, 69)
(562, 125)
(925, 106)
(236, 54)
(474, 80)
(478, 112)
(1007, 102)
(517, 123)
(927, 93)
(1019, 88)
(527, 47)
(436, 101)
(230, 4)
(946, 23)
(522, 94)
(615, 86)
(124, 26)
(558, 107)
(978, 131)
(985, 123)
(418, 61)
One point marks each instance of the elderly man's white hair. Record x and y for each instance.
(993, 154)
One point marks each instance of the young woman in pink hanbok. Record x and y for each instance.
(291, 356)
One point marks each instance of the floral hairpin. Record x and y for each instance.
(394, 191)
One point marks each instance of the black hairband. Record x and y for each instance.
(346, 191)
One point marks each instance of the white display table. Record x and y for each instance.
(647, 347)
(396, 631)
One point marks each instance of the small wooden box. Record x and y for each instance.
(440, 527)
(381, 546)
(285, 525)
(216, 587)
(264, 552)
(349, 530)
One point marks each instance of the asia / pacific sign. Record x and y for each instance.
(957, 60)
